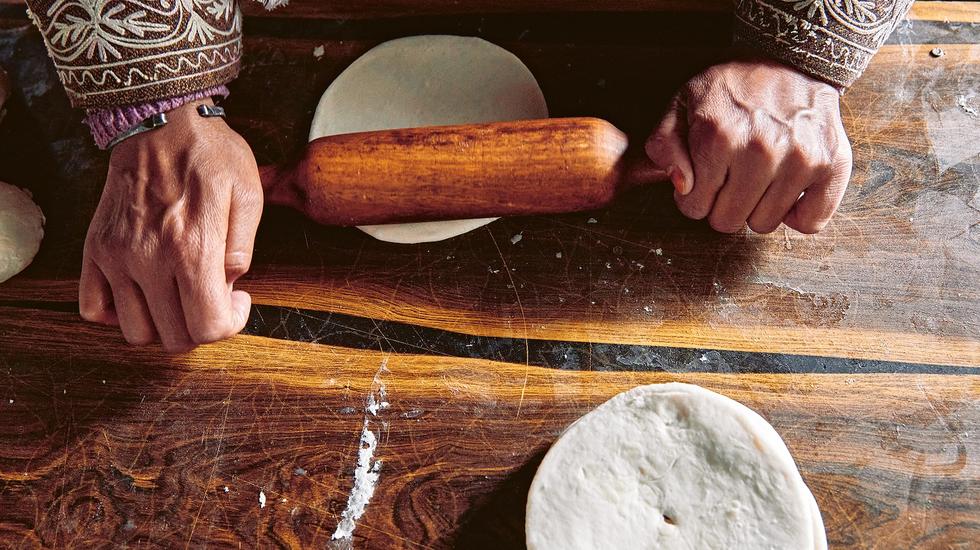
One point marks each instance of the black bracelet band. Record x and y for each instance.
(159, 120)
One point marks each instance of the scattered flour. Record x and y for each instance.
(964, 103)
(365, 480)
(368, 469)
(261, 499)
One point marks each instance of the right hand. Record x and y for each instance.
(172, 233)
(756, 142)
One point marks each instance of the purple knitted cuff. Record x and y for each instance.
(106, 124)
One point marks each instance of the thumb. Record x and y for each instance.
(243, 221)
(667, 148)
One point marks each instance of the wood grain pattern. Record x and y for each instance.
(893, 278)
(963, 12)
(516, 168)
(103, 445)
(106, 445)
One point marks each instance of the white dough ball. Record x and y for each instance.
(671, 466)
(21, 230)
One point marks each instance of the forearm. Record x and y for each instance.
(832, 40)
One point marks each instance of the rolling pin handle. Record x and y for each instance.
(278, 185)
(640, 170)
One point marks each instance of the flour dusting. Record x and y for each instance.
(368, 470)
(964, 103)
(365, 480)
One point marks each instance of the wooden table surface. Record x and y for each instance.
(860, 345)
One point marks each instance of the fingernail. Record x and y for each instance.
(677, 178)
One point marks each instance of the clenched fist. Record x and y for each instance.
(174, 229)
(755, 142)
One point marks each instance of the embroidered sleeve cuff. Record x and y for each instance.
(832, 40)
(106, 124)
(128, 52)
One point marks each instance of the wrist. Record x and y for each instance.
(107, 124)
(182, 128)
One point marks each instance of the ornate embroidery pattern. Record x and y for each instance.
(111, 51)
(833, 39)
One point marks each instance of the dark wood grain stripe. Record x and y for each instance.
(105, 445)
(363, 333)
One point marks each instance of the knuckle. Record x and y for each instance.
(138, 339)
(211, 332)
(692, 209)
(710, 127)
(236, 265)
(809, 227)
(724, 225)
(763, 227)
(187, 254)
(800, 158)
(762, 147)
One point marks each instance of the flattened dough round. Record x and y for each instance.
(433, 80)
(671, 466)
(21, 230)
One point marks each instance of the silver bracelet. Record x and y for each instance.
(159, 120)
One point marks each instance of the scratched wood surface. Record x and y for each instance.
(860, 344)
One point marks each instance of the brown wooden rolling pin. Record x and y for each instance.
(455, 172)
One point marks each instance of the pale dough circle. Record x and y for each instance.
(432, 80)
(21, 230)
(671, 466)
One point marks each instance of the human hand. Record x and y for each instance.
(743, 140)
(173, 231)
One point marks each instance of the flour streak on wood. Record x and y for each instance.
(368, 470)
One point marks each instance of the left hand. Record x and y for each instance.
(744, 140)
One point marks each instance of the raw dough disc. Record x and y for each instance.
(428, 81)
(671, 466)
(21, 230)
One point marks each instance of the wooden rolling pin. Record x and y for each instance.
(455, 172)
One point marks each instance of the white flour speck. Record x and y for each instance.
(319, 51)
(659, 252)
(964, 103)
(374, 404)
(261, 499)
(592, 220)
(516, 238)
(558, 255)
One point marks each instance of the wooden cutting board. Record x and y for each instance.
(860, 345)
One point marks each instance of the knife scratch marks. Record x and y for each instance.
(520, 307)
